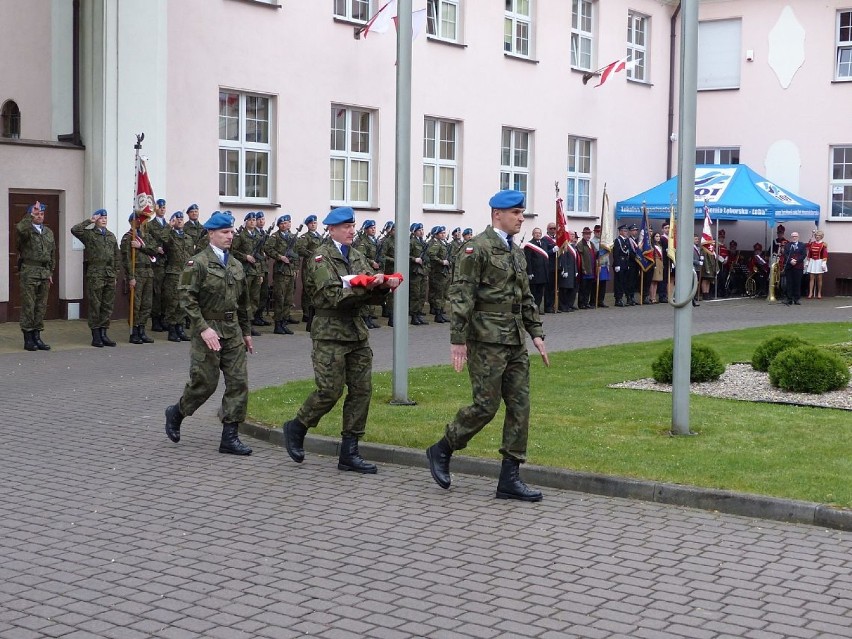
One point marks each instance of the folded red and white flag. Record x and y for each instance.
(363, 279)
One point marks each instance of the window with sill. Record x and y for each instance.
(841, 182)
(582, 36)
(517, 29)
(351, 160)
(515, 161)
(442, 19)
(637, 45)
(245, 147)
(440, 164)
(578, 197)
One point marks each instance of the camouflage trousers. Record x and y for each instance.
(283, 287)
(142, 298)
(204, 370)
(337, 364)
(34, 291)
(253, 287)
(158, 300)
(100, 293)
(417, 293)
(263, 295)
(172, 309)
(496, 372)
(439, 284)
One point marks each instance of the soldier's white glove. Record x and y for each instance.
(618, 269)
(530, 276)
(564, 273)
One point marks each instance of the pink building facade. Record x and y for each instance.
(277, 106)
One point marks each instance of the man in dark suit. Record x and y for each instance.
(548, 242)
(622, 256)
(794, 265)
(538, 264)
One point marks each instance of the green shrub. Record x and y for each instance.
(705, 365)
(844, 349)
(808, 369)
(769, 349)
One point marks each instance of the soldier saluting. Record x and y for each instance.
(492, 307)
(36, 258)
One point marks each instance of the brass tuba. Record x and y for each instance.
(774, 277)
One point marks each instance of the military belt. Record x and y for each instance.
(514, 309)
(35, 263)
(328, 312)
(227, 316)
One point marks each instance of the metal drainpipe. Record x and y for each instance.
(672, 48)
(74, 137)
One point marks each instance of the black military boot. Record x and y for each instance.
(105, 338)
(231, 443)
(134, 336)
(156, 324)
(255, 332)
(414, 321)
(439, 462)
(97, 340)
(281, 328)
(173, 336)
(173, 421)
(350, 459)
(390, 321)
(294, 439)
(422, 320)
(370, 323)
(510, 485)
(29, 343)
(143, 336)
(39, 344)
(180, 333)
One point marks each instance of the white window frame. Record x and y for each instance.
(843, 44)
(514, 23)
(359, 11)
(244, 149)
(445, 169)
(349, 157)
(579, 176)
(515, 161)
(720, 154)
(438, 22)
(719, 67)
(840, 177)
(638, 37)
(582, 10)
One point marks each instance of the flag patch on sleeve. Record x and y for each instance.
(468, 250)
(317, 258)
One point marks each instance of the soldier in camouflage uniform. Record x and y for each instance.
(179, 248)
(157, 228)
(439, 273)
(365, 243)
(195, 229)
(263, 300)
(306, 246)
(140, 277)
(103, 260)
(341, 348)
(281, 249)
(36, 258)
(386, 257)
(419, 274)
(492, 307)
(245, 249)
(214, 294)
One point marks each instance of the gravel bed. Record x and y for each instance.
(742, 382)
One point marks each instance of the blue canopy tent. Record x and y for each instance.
(732, 192)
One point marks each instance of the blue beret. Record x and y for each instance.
(191, 207)
(219, 221)
(388, 225)
(340, 215)
(416, 227)
(132, 216)
(507, 199)
(468, 232)
(442, 229)
(100, 213)
(434, 230)
(251, 215)
(310, 218)
(161, 202)
(457, 229)
(259, 215)
(283, 218)
(368, 224)
(177, 214)
(31, 207)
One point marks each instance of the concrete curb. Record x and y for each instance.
(743, 504)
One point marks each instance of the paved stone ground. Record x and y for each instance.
(109, 530)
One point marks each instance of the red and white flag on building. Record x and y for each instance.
(144, 193)
(387, 15)
(707, 240)
(615, 67)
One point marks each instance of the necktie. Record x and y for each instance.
(225, 258)
(345, 250)
(102, 231)
(509, 241)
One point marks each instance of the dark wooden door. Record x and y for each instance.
(18, 203)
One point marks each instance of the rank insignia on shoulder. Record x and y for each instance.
(468, 250)
(317, 258)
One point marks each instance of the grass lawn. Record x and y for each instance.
(579, 423)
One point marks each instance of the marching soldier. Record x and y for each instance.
(103, 259)
(306, 246)
(365, 243)
(141, 280)
(179, 248)
(387, 256)
(341, 348)
(492, 307)
(281, 249)
(419, 274)
(36, 259)
(245, 249)
(214, 294)
(439, 273)
(157, 228)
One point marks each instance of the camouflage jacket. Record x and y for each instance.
(437, 252)
(337, 317)
(388, 259)
(418, 248)
(215, 296)
(157, 233)
(246, 244)
(198, 234)
(366, 246)
(490, 296)
(180, 246)
(307, 245)
(37, 251)
(102, 254)
(143, 255)
(282, 245)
